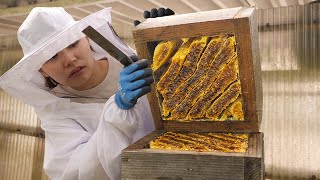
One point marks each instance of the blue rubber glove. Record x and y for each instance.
(135, 81)
(154, 13)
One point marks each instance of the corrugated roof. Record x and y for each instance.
(124, 12)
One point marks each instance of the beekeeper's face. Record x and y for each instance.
(74, 66)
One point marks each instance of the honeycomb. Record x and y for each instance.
(198, 79)
(205, 142)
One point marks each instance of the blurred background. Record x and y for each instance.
(289, 43)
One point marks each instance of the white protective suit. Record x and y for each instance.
(82, 140)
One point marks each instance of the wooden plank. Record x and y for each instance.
(182, 30)
(4, 31)
(28, 8)
(257, 67)
(139, 162)
(155, 110)
(77, 12)
(185, 25)
(142, 4)
(249, 65)
(121, 8)
(8, 27)
(180, 166)
(19, 17)
(232, 3)
(142, 51)
(10, 22)
(255, 145)
(245, 64)
(254, 167)
(204, 5)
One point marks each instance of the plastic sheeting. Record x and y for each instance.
(289, 40)
(21, 157)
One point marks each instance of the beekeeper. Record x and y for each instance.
(90, 106)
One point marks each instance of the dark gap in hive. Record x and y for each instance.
(231, 93)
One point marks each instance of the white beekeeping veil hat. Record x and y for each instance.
(46, 31)
(50, 22)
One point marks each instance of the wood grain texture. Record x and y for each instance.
(139, 162)
(249, 65)
(254, 167)
(142, 51)
(244, 37)
(257, 67)
(191, 18)
(181, 166)
(239, 21)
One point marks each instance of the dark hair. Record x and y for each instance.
(51, 83)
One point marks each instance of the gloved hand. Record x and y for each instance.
(135, 81)
(155, 13)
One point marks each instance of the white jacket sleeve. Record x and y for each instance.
(120, 129)
(74, 153)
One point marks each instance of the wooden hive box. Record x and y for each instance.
(207, 81)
